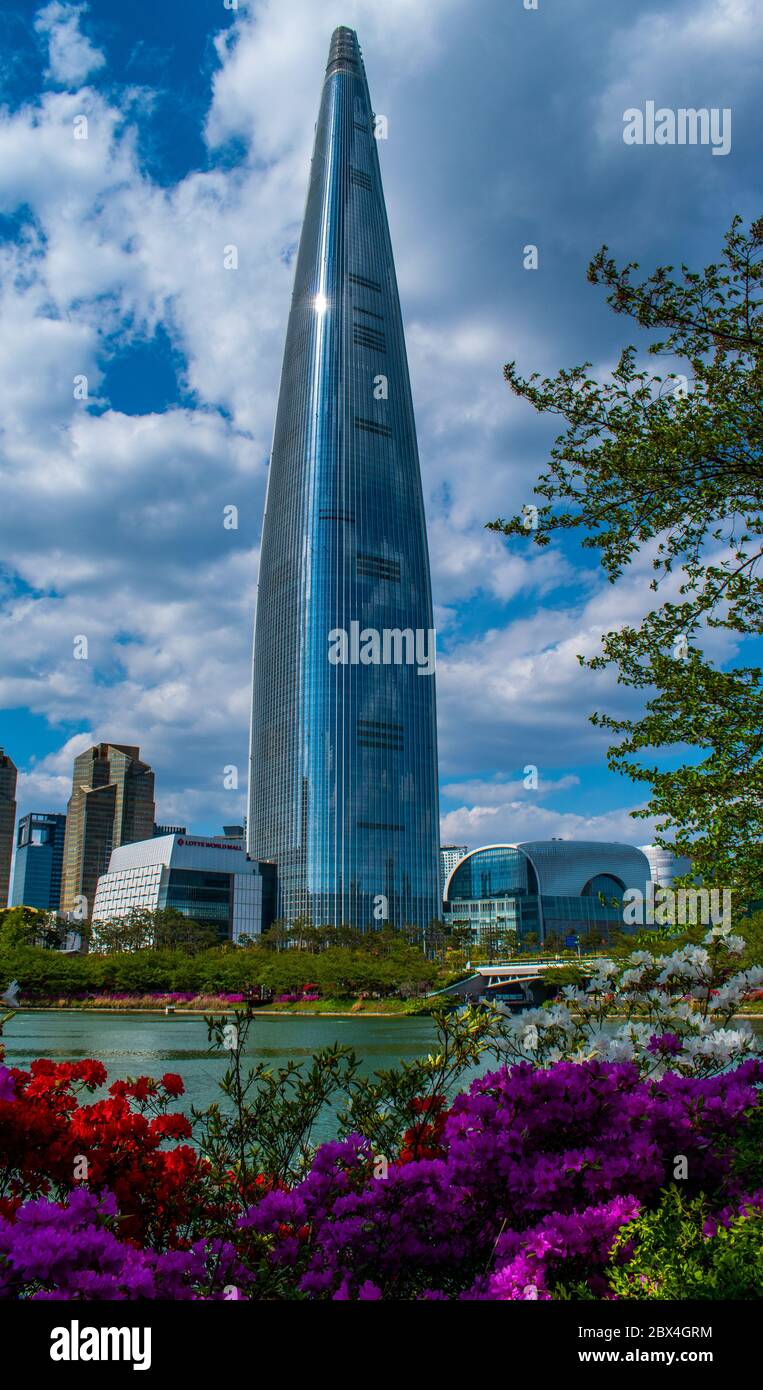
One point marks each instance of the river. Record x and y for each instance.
(150, 1044)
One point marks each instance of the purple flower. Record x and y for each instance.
(666, 1044)
(56, 1251)
(556, 1160)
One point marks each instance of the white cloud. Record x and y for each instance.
(71, 55)
(688, 54)
(514, 821)
(498, 790)
(47, 784)
(268, 87)
(114, 521)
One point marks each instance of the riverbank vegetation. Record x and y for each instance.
(382, 966)
(578, 1165)
(381, 972)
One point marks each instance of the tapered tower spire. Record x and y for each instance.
(343, 758)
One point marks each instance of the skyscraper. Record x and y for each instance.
(7, 822)
(343, 754)
(112, 803)
(39, 860)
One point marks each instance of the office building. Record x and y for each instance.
(343, 754)
(664, 865)
(211, 880)
(545, 889)
(450, 855)
(112, 804)
(39, 860)
(8, 776)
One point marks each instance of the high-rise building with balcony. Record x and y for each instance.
(8, 776)
(112, 804)
(39, 860)
(343, 756)
(450, 855)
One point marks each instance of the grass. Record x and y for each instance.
(352, 1005)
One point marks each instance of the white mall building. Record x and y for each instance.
(210, 880)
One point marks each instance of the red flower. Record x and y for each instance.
(172, 1084)
(171, 1127)
(45, 1135)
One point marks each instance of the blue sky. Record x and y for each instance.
(505, 128)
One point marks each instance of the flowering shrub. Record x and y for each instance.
(151, 999)
(70, 1251)
(50, 1143)
(538, 1182)
(539, 1169)
(677, 1012)
(678, 1251)
(527, 1264)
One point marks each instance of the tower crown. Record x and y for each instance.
(344, 52)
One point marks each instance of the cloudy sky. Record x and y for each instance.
(505, 129)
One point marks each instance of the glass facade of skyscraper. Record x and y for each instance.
(343, 769)
(39, 861)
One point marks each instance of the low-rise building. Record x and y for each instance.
(544, 889)
(664, 865)
(211, 880)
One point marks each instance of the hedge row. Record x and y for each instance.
(338, 971)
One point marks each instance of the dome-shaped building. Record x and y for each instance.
(544, 888)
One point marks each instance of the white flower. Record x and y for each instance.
(516, 1024)
(632, 977)
(717, 932)
(641, 958)
(556, 1017)
(657, 997)
(637, 1032)
(721, 1046)
(530, 1038)
(735, 989)
(690, 963)
(729, 994)
(576, 996)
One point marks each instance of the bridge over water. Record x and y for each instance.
(520, 985)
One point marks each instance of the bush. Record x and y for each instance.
(579, 1179)
(681, 1251)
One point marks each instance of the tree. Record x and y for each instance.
(674, 463)
(163, 929)
(173, 931)
(276, 938)
(29, 926)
